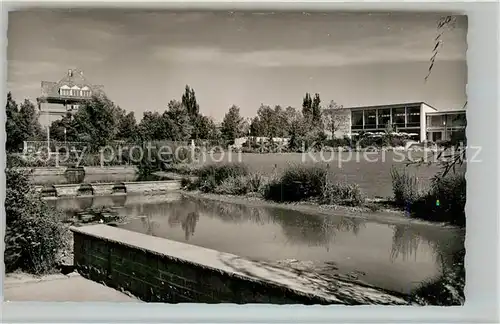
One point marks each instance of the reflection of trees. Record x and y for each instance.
(189, 224)
(149, 224)
(314, 230)
(233, 213)
(444, 242)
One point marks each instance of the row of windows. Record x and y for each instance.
(379, 118)
(74, 92)
(449, 120)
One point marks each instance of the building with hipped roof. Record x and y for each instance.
(65, 96)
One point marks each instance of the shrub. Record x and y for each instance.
(404, 187)
(187, 183)
(233, 186)
(297, 183)
(35, 234)
(213, 175)
(342, 194)
(450, 191)
(255, 182)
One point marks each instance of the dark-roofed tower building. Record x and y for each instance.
(66, 95)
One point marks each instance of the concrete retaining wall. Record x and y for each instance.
(58, 171)
(67, 190)
(148, 187)
(102, 189)
(160, 270)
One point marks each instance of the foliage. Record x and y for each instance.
(213, 175)
(335, 118)
(298, 182)
(206, 128)
(238, 185)
(341, 194)
(58, 127)
(161, 156)
(178, 121)
(189, 101)
(450, 191)
(404, 186)
(311, 109)
(127, 125)
(34, 235)
(96, 122)
(21, 124)
(232, 124)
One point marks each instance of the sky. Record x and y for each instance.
(144, 59)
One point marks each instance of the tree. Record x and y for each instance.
(96, 122)
(232, 124)
(316, 110)
(290, 114)
(179, 120)
(255, 127)
(335, 118)
(27, 122)
(14, 137)
(307, 106)
(206, 128)
(267, 121)
(298, 131)
(66, 123)
(152, 127)
(127, 125)
(189, 101)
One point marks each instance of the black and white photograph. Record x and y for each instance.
(242, 157)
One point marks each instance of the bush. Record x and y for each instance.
(297, 183)
(450, 191)
(213, 175)
(404, 187)
(35, 234)
(233, 186)
(342, 194)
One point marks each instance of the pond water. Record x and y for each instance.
(394, 257)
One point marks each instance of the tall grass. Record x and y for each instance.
(341, 194)
(301, 182)
(444, 201)
(213, 175)
(404, 186)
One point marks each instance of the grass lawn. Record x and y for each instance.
(371, 171)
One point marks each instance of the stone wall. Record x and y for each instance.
(101, 189)
(160, 270)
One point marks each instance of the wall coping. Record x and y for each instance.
(233, 265)
(65, 185)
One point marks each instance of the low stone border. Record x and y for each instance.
(102, 189)
(157, 269)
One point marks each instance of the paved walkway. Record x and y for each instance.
(59, 288)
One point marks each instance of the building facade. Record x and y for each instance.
(420, 120)
(64, 96)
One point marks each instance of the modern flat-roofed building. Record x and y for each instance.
(442, 124)
(418, 118)
(64, 96)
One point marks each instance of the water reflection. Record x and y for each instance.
(395, 257)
